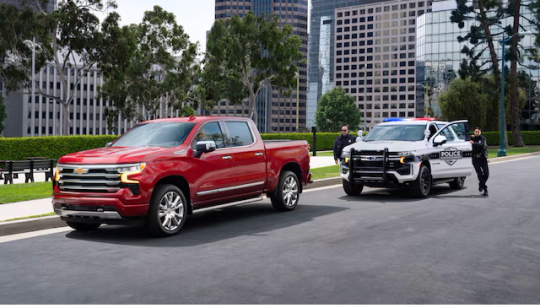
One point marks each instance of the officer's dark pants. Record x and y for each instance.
(482, 170)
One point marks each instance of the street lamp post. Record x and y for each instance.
(502, 151)
(297, 76)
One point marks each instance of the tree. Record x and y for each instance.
(16, 27)
(75, 41)
(245, 55)
(475, 101)
(157, 66)
(488, 15)
(336, 109)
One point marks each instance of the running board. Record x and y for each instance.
(441, 181)
(247, 201)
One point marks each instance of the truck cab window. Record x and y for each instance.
(209, 132)
(239, 134)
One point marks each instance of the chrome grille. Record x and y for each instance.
(89, 179)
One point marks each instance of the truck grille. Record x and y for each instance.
(89, 179)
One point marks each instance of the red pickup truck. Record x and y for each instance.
(161, 171)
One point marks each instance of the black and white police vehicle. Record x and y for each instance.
(410, 153)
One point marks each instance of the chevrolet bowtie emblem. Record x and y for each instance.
(80, 171)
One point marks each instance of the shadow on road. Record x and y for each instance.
(212, 226)
(403, 195)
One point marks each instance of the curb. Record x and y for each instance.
(30, 225)
(50, 222)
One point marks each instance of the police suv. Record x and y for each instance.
(411, 153)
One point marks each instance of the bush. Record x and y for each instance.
(56, 147)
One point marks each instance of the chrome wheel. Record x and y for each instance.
(171, 211)
(290, 191)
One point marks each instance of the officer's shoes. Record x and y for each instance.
(485, 193)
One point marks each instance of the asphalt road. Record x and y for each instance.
(455, 247)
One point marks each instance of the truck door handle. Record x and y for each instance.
(226, 157)
(258, 154)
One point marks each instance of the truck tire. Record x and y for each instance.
(352, 189)
(81, 226)
(168, 211)
(287, 193)
(422, 185)
(458, 183)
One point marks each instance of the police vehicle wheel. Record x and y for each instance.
(458, 183)
(351, 189)
(422, 186)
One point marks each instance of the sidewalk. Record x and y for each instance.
(44, 206)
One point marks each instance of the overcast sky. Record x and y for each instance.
(195, 16)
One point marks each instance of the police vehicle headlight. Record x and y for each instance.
(345, 156)
(406, 156)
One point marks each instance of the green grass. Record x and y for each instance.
(492, 151)
(325, 172)
(30, 217)
(24, 191)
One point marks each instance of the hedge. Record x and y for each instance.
(55, 147)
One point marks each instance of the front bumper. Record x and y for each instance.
(382, 170)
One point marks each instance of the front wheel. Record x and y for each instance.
(287, 193)
(352, 189)
(168, 211)
(458, 183)
(422, 185)
(81, 226)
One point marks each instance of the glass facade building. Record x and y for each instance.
(321, 49)
(439, 56)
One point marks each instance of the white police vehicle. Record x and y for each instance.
(411, 153)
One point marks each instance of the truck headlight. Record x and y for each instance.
(405, 153)
(130, 173)
(345, 156)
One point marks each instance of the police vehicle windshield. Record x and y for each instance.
(410, 133)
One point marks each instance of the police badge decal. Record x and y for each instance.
(450, 155)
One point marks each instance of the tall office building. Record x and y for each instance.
(375, 58)
(275, 113)
(321, 50)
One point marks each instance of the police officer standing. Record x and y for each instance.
(342, 140)
(479, 159)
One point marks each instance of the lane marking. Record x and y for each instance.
(8, 238)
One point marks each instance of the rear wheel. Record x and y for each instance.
(422, 186)
(352, 189)
(458, 183)
(168, 211)
(81, 226)
(287, 193)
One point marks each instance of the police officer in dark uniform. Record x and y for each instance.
(479, 159)
(342, 140)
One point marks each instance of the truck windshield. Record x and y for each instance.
(409, 133)
(162, 134)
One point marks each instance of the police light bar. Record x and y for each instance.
(393, 120)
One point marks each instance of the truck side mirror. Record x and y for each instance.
(204, 147)
(108, 144)
(439, 140)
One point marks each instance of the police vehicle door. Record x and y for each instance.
(453, 157)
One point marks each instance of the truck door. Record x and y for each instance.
(454, 155)
(249, 156)
(214, 174)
